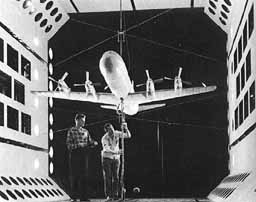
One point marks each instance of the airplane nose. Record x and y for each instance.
(110, 62)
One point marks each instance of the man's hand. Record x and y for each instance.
(124, 126)
(81, 144)
(125, 130)
(120, 151)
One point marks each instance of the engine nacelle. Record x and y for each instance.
(62, 86)
(150, 88)
(90, 90)
(177, 83)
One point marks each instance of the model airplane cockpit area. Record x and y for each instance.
(179, 73)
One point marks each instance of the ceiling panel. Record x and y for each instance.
(85, 6)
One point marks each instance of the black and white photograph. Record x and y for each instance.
(127, 100)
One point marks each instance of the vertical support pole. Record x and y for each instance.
(122, 121)
(121, 29)
(123, 160)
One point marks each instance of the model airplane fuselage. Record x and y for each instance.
(122, 96)
(114, 71)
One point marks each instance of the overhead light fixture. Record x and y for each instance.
(50, 69)
(51, 134)
(51, 152)
(50, 86)
(50, 53)
(51, 118)
(51, 168)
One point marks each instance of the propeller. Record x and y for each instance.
(147, 73)
(179, 77)
(179, 74)
(87, 81)
(61, 84)
(52, 79)
(149, 78)
(64, 76)
(60, 80)
(183, 81)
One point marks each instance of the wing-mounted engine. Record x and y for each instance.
(61, 84)
(178, 81)
(89, 86)
(150, 86)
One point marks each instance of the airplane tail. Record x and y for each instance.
(148, 107)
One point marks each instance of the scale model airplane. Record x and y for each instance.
(123, 97)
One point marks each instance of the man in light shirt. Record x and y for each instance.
(111, 158)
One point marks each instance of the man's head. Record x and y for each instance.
(108, 128)
(80, 120)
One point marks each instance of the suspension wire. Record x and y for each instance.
(98, 122)
(176, 49)
(127, 49)
(177, 124)
(76, 111)
(100, 27)
(90, 124)
(85, 50)
(124, 32)
(163, 45)
(147, 20)
(122, 114)
(120, 32)
(61, 130)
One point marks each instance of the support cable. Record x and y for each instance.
(122, 122)
(90, 124)
(121, 39)
(100, 27)
(175, 48)
(85, 50)
(147, 20)
(121, 34)
(178, 124)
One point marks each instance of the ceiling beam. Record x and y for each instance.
(133, 5)
(74, 6)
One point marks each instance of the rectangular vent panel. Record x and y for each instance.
(236, 178)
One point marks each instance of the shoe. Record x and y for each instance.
(75, 200)
(108, 199)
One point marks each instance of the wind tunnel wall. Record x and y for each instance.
(25, 28)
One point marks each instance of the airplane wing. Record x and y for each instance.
(141, 97)
(105, 98)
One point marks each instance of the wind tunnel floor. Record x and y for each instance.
(152, 200)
